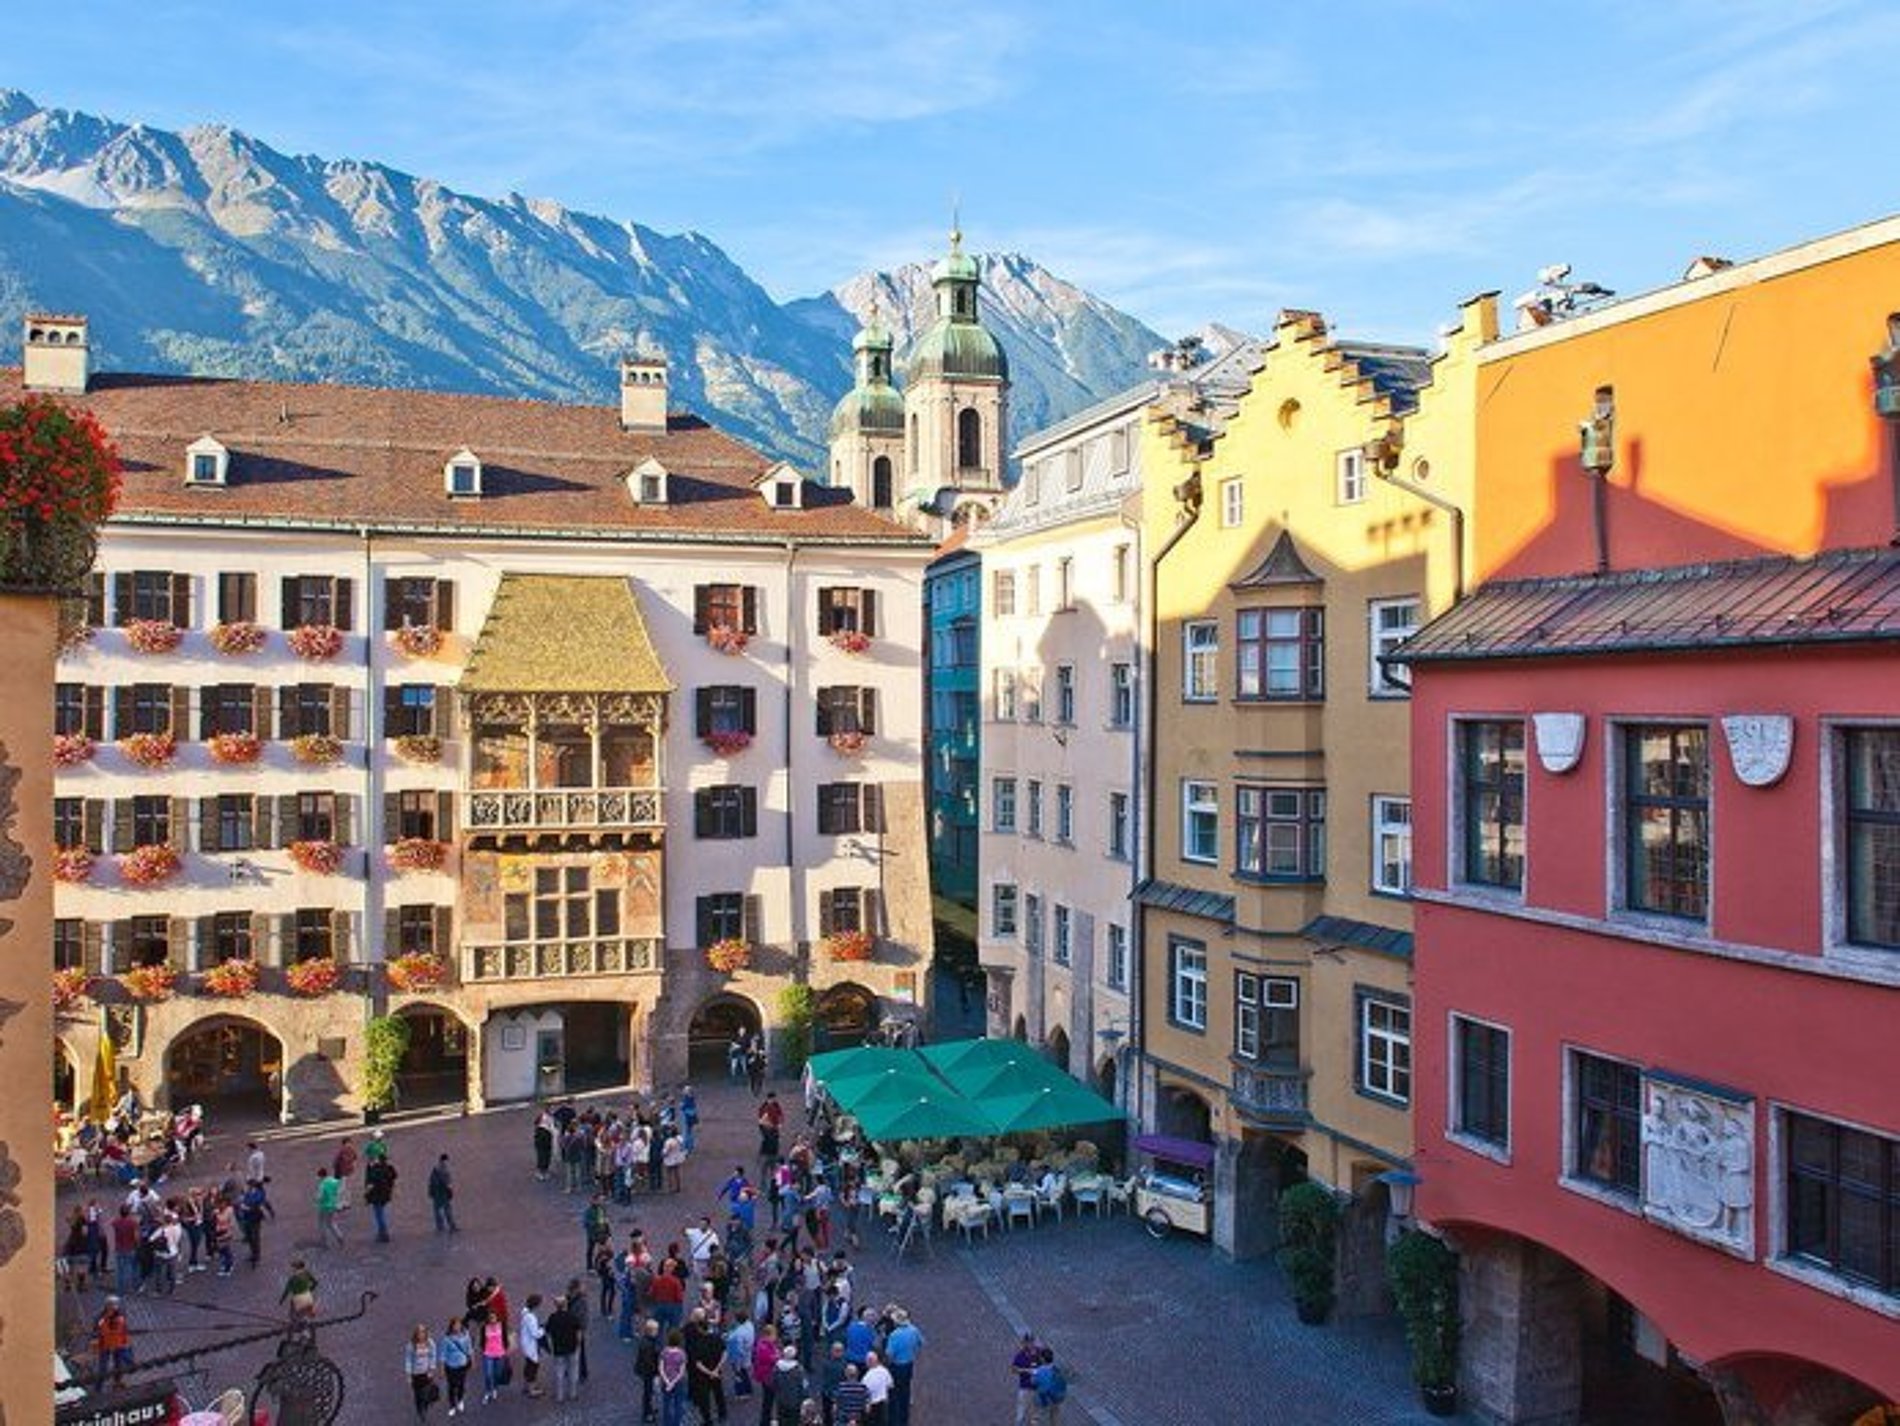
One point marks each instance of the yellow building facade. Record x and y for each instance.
(1315, 527)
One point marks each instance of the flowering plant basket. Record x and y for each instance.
(234, 979)
(59, 478)
(849, 744)
(850, 641)
(74, 633)
(150, 865)
(322, 858)
(419, 748)
(73, 864)
(418, 641)
(316, 748)
(728, 744)
(236, 748)
(417, 970)
(71, 985)
(317, 976)
(850, 945)
(72, 749)
(239, 636)
(149, 750)
(416, 854)
(153, 982)
(726, 639)
(315, 642)
(153, 636)
(731, 954)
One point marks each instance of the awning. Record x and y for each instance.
(557, 633)
(1179, 1151)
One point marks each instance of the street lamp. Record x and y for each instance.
(1401, 1185)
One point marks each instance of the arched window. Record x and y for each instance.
(969, 438)
(881, 483)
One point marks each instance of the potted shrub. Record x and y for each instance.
(233, 979)
(315, 642)
(1309, 1223)
(419, 748)
(72, 749)
(153, 982)
(71, 984)
(317, 749)
(726, 639)
(153, 636)
(850, 945)
(416, 854)
(1423, 1271)
(235, 749)
(416, 971)
(237, 637)
(320, 858)
(149, 750)
(385, 1041)
(797, 1011)
(417, 641)
(729, 954)
(319, 975)
(150, 865)
(73, 864)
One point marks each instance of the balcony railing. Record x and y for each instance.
(563, 809)
(1269, 1094)
(558, 958)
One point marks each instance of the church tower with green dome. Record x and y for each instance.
(867, 425)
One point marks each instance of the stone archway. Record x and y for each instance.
(1108, 1079)
(1183, 1114)
(1020, 1031)
(1056, 1046)
(434, 1068)
(231, 1064)
(843, 1016)
(709, 1035)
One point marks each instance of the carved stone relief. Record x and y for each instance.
(1699, 1164)
(1559, 740)
(1759, 746)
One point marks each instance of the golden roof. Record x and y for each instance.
(560, 633)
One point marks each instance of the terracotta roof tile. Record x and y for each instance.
(350, 455)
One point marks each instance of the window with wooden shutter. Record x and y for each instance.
(288, 824)
(80, 708)
(237, 597)
(873, 807)
(442, 939)
(122, 600)
(340, 712)
(411, 710)
(122, 825)
(209, 824)
(95, 600)
(231, 708)
(178, 943)
(445, 816)
(263, 825)
(847, 610)
(178, 720)
(752, 922)
(344, 818)
(827, 922)
(703, 919)
(265, 948)
(340, 927)
(181, 600)
(867, 710)
(845, 708)
(177, 820)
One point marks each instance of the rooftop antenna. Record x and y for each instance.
(1556, 297)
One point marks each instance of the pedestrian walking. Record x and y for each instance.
(596, 1228)
(112, 1343)
(1023, 1365)
(300, 1291)
(771, 1121)
(458, 1355)
(419, 1361)
(253, 1208)
(735, 1058)
(755, 1064)
(329, 1187)
(543, 1144)
(379, 1187)
(442, 1195)
(1052, 1387)
(343, 1169)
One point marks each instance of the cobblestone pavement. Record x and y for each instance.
(1154, 1333)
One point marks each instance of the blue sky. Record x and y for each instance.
(1377, 160)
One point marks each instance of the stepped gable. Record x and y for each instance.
(350, 455)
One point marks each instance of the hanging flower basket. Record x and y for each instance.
(73, 864)
(71, 985)
(419, 748)
(726, 639)
(315, 642)
(72, 749)
(417, 970)
(848, 745)
(416, 854)
(418, 641)
(235, 749)
(727, 745)
(150, 865)
(850, 641)
(239, 636)
(317, 976)
(233, 979)
(154, 982)
(59, 478)
(319, 858)
(850, 945)
(728, 955)
(317, 749)
(153, 636)
(149, 750)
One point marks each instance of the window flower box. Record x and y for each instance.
(238, 637)
(73, 864)
(151, 865)
(733, 953)
(233, 979)
(317, 976)
(727, 640)
(153, 636)
(850, 641)
(849, 744)
(729, 744)
(72, 749)
(235, 749)
(419, 748)
(318, 858)
(416, 854)
(154, 982)
(417, 641)
(315, 642)
(850, 945)
(72, 985)
(317, 749)
(74, 635)
(417, 971)
(149, 750)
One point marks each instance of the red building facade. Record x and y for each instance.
(1657, 855)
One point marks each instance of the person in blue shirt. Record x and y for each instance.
(900, 1355)
(859, 1338)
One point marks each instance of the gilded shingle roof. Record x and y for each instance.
(557, 633)
(343, 456)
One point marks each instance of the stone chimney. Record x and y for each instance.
(643, 393)
(56, 356)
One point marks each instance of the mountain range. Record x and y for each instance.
(206, 251)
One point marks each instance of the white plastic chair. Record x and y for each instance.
(1052, 1200)
(1020, 1205)
(1089, 1196)
(1121, 1195)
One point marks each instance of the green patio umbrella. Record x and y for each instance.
(927, 1117)
(1054, 1106)
(957, 1055)
(885, 1086)
(858, 1060)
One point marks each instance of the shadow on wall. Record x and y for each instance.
(314, 1088)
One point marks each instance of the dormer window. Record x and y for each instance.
(783, 488)
(207, 462)
(646, 483)
(462, 475)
